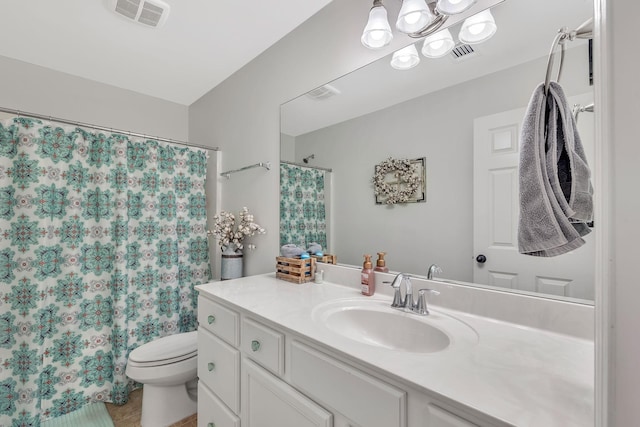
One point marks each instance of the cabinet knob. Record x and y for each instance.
(481, 259)
(255, 345)
(211, 366)
(211, 318)
(211, 425)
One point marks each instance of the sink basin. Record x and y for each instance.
(375, 323)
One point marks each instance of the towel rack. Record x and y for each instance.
(584, 31)
(266, 165)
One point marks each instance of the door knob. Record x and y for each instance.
(481, 259)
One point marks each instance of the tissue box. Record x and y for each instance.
(295, 270)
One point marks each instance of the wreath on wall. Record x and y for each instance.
(402, 186)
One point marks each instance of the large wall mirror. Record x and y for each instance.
(452, 112)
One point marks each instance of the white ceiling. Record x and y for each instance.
(202, 43)
(526, 29)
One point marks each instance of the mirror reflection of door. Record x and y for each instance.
(496, 209)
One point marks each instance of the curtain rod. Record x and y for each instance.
(306, 166)
(103, 128)
(266, 165)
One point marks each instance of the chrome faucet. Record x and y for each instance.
(433, 270)
(406, 303)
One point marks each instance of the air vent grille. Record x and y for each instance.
(152, 13)
(463, 51)
(323, 92)
(128, 8)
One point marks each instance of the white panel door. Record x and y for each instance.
(496, 210)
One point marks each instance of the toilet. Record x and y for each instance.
(167, 367)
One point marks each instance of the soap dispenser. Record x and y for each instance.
(380, 263)
(367, 281)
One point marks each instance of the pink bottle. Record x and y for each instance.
(380, 264)
(367, 279)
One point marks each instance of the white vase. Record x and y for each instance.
(231, 264)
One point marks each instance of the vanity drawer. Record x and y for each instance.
(363, 399)
(219, 320)
(212, 412)
(439, 417)
(219, 368)
(263, 345)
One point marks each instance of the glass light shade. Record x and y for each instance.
(414, 16)
(438, 45)
(377, 33)
(405, 58)
(453, 7)
(478, 28)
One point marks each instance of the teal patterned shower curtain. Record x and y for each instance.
(302, 206)
(102, 238)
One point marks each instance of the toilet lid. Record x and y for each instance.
(169, 349)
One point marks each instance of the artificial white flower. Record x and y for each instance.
(228, 232)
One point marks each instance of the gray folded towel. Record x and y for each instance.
(291, 251)
(554, 178)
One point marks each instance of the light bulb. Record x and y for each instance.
(478, 28)
(438, 45)
(453, 7)
(405, 58)
(377, 33)
(414, 16)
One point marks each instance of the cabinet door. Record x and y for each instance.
(268, 402)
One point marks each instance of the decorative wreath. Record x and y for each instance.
(403, 188)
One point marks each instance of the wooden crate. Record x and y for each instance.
(326, 258)
(295, 270)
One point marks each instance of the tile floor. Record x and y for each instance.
(129, 415)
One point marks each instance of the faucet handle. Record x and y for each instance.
(397, 297)
(421, 306)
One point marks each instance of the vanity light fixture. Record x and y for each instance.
(438, 45)
(421, 18)
(478, 28)
(405, 58)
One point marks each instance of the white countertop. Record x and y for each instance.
(517, 375)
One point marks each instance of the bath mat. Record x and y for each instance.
(92, 415)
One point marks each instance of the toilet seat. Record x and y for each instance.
(166, 350)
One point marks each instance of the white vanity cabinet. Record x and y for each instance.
(234, 387)
(254, 375)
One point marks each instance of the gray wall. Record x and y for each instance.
(35, 89)
(438, 126)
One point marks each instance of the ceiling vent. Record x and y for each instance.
(323, 92)
(463, 51)
(152, 13)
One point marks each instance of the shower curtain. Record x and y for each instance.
(102, 238)
(302, 206)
